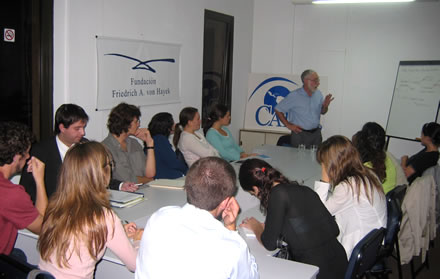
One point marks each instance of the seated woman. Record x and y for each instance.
(191, 143)
(167, 163)
(370, 142)
(220, 137)
(350, 191)
(79, 223)
(427, 157)
(131, 164)
(295, 213)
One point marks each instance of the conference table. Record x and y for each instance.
(296, 164)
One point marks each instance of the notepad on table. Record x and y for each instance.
(168, 183)
(124, 199)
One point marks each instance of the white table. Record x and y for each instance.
(284, 158)
(295, 164)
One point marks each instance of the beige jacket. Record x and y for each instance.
(418, 222)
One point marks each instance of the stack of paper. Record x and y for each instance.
(168, 183)
(124, 199)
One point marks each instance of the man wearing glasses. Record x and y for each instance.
(303, 108)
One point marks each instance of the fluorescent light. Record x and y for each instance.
(357, 1)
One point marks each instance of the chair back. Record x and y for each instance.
(284, 141)
(39, 274)
(398, 193)
(13, 268)
(394, 217)
(180, 156)
(365, 254)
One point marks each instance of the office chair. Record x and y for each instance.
(394, 200)
(284, 141)
(12, 268)
(364, 254)
(180, 156)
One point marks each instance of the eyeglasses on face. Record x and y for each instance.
(316, 80)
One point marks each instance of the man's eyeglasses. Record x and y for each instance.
(316, 80)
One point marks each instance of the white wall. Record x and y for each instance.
(75, 68)
(357, 46)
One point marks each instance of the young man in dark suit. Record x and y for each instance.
(70, 123)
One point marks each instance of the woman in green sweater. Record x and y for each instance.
(370, 142)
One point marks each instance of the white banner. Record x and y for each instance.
(137, 72)
(265, 92)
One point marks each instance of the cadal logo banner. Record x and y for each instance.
(265, 92)
(137, 72)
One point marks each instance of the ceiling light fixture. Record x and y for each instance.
(357, 1)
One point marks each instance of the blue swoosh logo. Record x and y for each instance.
(143, 65)
(270, 80)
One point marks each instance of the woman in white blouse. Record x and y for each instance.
(189, 141)
(350, 191)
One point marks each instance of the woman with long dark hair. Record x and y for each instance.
(168, 165)
(350, 191)
(427, 157)
(219, 136)
(79, 223)
(296, 214)
(188, 140)
(370, 142)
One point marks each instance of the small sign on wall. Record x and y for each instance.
(9, 35)
(137, 72)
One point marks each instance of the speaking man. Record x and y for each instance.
(304, 107)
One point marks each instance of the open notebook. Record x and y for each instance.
(124, 199)
(168, 183)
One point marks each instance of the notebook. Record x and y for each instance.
(124, 199)
(168, 183)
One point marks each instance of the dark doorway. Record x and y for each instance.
(26, 51)
(218, 45)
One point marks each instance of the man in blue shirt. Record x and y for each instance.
(303, 108)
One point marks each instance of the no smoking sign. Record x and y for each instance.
(9, 35)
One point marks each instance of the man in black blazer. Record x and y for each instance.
(70, 123)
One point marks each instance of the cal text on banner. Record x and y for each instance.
(264, 93)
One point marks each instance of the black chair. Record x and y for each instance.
(12, 268)
(365, 254)
(394, 200)
(284, 141)
(180, 156)
(39, 274)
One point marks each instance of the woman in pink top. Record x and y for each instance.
(79, 223)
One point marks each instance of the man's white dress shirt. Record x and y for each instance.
(188, 242)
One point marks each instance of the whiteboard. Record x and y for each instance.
(415, 99)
